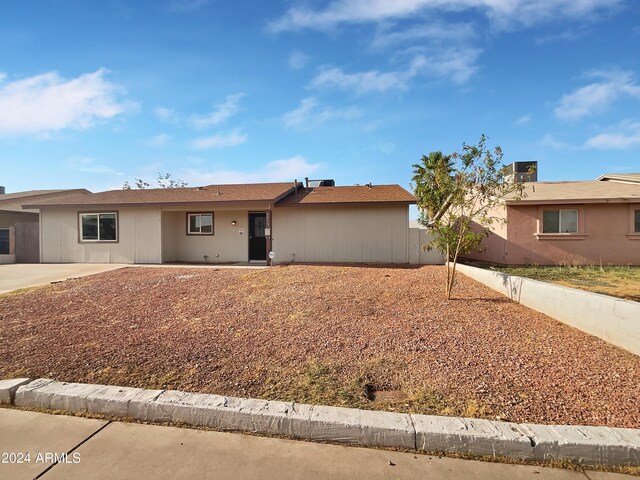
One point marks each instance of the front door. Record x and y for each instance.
(257, 239)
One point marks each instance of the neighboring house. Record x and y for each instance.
(19, 227)
(570, 223)
(229, 223)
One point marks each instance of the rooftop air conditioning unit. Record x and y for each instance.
(319, 183)
(522, 172)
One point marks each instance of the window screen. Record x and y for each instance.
(4, 241)
(200, 223)
(568, 221)
(99, 227)
(551, 221)
(560, 221)
(637, 221)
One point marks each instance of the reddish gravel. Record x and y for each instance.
(331, 334)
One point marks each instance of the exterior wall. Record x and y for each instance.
(371, 234)
(9, 219)
(229, 243)
(605, 235)
(139, 237)
(495, 245)
(9, 258)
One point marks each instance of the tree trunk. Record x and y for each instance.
(450, 279)
(446, 287)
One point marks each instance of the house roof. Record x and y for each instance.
(254, 192)
(15, 201)
(348, 195)
(591, 191)
(620, 177)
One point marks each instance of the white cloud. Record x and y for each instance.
(597, 96)
(221, 112)
(438, 32)
(523, 120)
(165, 114)
(298, 60)
(622, 137)
(566, 36)
(310, 114)
(220, 140)
(283, 170)
(159, 140)
(89, 165)
(552, 142)
(505, 14)
(360, 82)
(456, 64)
(49, 103)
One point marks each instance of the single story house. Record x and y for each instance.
(19, 234)
(228, 224)
(569, 223)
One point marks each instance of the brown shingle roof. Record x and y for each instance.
(592, 191)
(620, 177)
(15, 201)
(6, 197)
(256, 192)
(347, 195)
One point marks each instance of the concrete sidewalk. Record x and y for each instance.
(100, 449)
(24, 275)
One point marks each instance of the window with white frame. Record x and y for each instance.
(200, 223)
(560, 221)
(99, 227)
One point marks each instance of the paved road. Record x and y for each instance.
(24, 275)
(99, 449)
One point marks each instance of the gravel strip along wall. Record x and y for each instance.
(585, 445)
(614, 320)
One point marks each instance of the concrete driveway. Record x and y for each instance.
(17, 276)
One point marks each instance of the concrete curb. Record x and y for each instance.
(582, 445)
(8, 389)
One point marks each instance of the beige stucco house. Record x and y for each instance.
(228, 224)
(19, 234)
(570, 223)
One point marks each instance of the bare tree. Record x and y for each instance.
(163, 181)
(457, 196)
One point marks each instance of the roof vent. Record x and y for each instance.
(369, 185)
(2, 190)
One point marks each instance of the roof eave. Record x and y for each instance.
(570, 201)
(343, 204)
(148, 204)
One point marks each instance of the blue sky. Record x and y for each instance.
(95, 93)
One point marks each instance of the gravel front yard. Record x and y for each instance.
(377, 338)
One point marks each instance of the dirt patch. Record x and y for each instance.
(333, 335)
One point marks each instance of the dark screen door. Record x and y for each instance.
(257, 240)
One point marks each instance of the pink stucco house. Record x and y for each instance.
(570, 223)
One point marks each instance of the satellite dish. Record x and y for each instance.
(272, 255)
